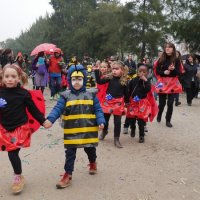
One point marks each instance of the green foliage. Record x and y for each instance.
(106, 27)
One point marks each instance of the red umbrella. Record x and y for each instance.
(46, 47)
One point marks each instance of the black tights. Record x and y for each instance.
(117, 124)
(15, 161)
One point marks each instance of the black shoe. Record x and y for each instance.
(168, 124)
(189, 104)
(178, 103)
(158, 118)
(141, 139)
(103, 134)
(132, 133)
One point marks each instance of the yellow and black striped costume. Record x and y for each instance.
(79, 120)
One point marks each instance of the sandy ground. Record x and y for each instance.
(165, 167)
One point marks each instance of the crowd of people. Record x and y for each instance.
(87, 94)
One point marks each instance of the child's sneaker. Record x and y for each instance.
(93, 168)
(125, 131)
(64, 182)
(18, 184)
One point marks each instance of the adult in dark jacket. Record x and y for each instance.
(189, 79)
(130, 63)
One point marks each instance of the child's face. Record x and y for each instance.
(77, 82)
(116, 70)
(10, 78)
(103, 68)
(142, 71)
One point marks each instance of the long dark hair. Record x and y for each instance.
(187, 60)
(164, 54)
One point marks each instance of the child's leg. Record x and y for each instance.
(107, 118)
(15, 160)
(133, 127)
(141, 124)
(145, 127)
(70, 155)
(126, 125)
(91, 153)
(117, 130)
(105, 130)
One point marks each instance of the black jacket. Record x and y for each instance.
(138, 87)
(189, 75)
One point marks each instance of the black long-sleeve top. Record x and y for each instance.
(162, 67)
(115, 88)
(138, 87)
(13, 114)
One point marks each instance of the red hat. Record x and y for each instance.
(57, 50)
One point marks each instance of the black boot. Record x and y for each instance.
(117, 142)
(141, 139)
(168, 124)
(133, 132)
(103, 134)
(159, 116)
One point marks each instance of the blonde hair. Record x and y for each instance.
(124, 68)
(22, 75)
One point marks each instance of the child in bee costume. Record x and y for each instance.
(82, 116)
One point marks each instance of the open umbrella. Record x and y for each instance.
(46, 47)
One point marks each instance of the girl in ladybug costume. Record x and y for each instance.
(142, 105)
(15, 125)
(116, 96)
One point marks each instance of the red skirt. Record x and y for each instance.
(168, 85)
(114, 106)
(12, 140)
(141, 109)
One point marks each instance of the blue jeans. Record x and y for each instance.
(55, 85)
(70, 154)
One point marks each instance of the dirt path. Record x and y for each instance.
(165, 167)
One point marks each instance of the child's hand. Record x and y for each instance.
(143, 78)
(166, 72)
(95, 68)
(47, 124)
(101, 126)
(171, 67)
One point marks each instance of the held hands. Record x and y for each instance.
(47, 124)
(101, 126)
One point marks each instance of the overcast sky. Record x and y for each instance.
(18, 15)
